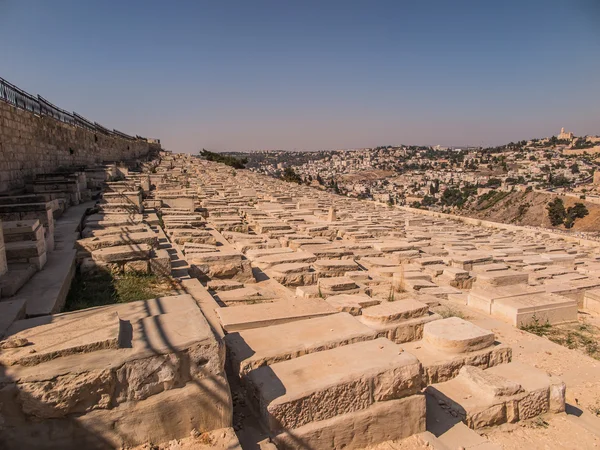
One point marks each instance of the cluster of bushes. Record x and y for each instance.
(236, 163)
(457, 197)
(291, 176)
(560, 216)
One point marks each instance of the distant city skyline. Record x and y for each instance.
(239, 76)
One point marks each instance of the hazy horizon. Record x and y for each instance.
(240, 76)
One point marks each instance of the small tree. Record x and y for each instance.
(291, 176)
(556, 212)
(577, 211)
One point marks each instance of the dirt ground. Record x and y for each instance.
(529, 208)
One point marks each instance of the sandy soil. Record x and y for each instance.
(529, 208)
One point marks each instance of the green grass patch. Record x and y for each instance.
(106, 288)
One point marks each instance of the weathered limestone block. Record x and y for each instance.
(501, 278)
(49, 341)
(95, 243)
(452, 343)
(506, 393)
(456, 335)
(351, 303)
(22, 230)
(268, 314)
(112, 220)
(160, 263)
(292, 274)
(106, 231)
(334, 267)
(253, 348)
(165, 355)
(346, 379)
(337, 285)
(67, 394)
(194, 235)
(223, 264)
(381, 422)
(138, 380)
(122, 253)
(591, 300)
(266, 262)
(400, 321)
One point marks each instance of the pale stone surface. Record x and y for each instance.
(382, 421)
(268, 314)
(46, 342)
(395, 311)
(351, 303)
(167, 354)
(507, 393)
(456, 335)
(121, 253)
(253, 348)
(348, 378)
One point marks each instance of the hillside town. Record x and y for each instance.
(407, 175)
(450, 180)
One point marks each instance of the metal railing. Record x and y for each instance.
(15, 96)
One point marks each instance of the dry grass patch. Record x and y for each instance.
(106, 288)
(576, 336)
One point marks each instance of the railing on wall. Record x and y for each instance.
(15, 96)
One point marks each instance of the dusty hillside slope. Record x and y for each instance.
(529, 208)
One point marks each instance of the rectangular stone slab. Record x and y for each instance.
(46, 342)
(268, 314)
(250, 349)
(390, 312)
(381, 422)
(505, 393)
(329, 383)
(439, 365)
(95, 243)
(543, 308)
(502, 278)
(121, 253)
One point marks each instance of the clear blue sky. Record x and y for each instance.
(239, 75)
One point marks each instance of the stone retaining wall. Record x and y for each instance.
(32, 144)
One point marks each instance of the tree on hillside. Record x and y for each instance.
(556, 212)
(291, 176)
(236, 163)
(577, 211)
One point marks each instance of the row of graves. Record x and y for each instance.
(321, 309)
(29, 237)
(326, 307)
(111, 376)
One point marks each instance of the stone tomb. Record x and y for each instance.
(123, 371)
(522, 305)
(448, 344)
(500, 394)
(340, 384)
(400, 321)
